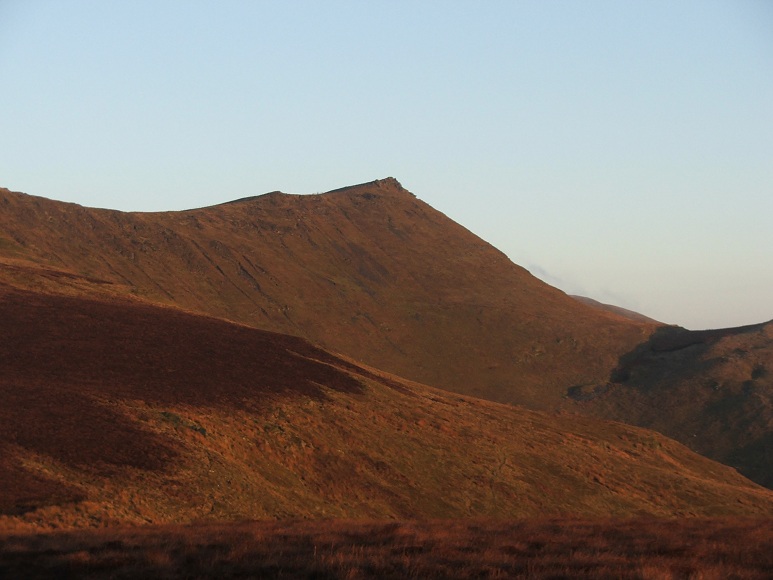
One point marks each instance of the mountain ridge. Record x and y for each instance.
(366, 270)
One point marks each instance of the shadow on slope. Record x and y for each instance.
(64, 360)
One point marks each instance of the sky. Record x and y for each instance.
(620, 150)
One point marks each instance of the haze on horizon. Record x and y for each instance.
(617, 150)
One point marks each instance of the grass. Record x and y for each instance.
(546, 548)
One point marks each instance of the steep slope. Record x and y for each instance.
(117, 411)
(369, 271)
(712, 390)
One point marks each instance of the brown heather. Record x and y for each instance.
(646, 549)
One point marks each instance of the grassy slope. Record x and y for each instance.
(369, 271)
(124, 412)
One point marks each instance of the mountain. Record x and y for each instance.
(369, 271)
(372, 272)
(117, 411)
(712, 390)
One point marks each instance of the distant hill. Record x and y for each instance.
(116, 411)
(369, 271)
(710, 389)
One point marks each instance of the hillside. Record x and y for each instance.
(115, 411)
(372, 272)
(369, 271)
(712, 390)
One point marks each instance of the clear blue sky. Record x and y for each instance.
(622, 150)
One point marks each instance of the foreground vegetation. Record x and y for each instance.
(551, 548)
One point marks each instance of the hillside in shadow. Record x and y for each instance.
(712, 390)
